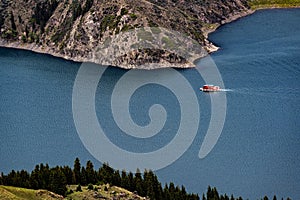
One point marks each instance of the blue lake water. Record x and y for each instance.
(257, 154)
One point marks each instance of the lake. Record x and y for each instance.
(257, 153)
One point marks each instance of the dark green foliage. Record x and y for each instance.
(90, 186)
(1, 20)
(1, 178)
(76, 10)
(68, 172)
(88, 5)
(124, 11)
(124, 180)
(105, 188)
(105, 173)
(110, 21)
(12, 21)
(116, 178)
(146, 184)
(69, 192)
(133, 16)
(43, 11)
(212, 194)
(78, 189)
(57, 181)
(83, 179)
(90, 173)
(265, 198)
(76, 171)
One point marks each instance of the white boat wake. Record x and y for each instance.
(225, 90)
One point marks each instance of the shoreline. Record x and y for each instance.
(213, 27)
(206, 30)
(39, 49)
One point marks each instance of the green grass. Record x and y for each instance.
(103, 190)
(258, 4)
(16, 193)
(13, 193)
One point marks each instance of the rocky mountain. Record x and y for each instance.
(74, 29)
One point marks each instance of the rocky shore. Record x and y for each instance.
(74, 31)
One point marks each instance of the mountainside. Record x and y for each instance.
(73, 29)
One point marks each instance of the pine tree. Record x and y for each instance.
(105, 173)
(131, 181)
(172, 190)
(78, 188)
(44, 176)
(57, 181)
(116, 179)
(138, 183)
(215, 194)
(166, 193)
(125, 180)
(76, 171)
(24, 179)
(1, 179)
(12, 21)
(34, 178)
(209, 193)
(90, 173)
(83, 180)
(69, 175)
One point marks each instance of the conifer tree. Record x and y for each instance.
(83, 178)
(57, 181)
(90, 173)
(76, 170)
(12, 21)
(125, 180)
(69, 175)
(116, 178)
(138, 182)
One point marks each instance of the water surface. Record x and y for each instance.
(257, 153)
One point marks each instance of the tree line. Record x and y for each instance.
(57, 178)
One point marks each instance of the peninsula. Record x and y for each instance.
(73, 29)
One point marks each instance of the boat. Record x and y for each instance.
(210, 88)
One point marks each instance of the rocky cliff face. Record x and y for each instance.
(74, 28)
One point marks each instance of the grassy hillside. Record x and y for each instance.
(258, 4)
(102, 192)
(99, 192)
(15, 193)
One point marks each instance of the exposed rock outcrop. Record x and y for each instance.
(73, 29)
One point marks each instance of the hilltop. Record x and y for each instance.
(16, 193)
(73, 29)
(98, 192)
(84, 182)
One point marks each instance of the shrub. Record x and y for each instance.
(90, 187)
(105, 188)
(78, 189)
